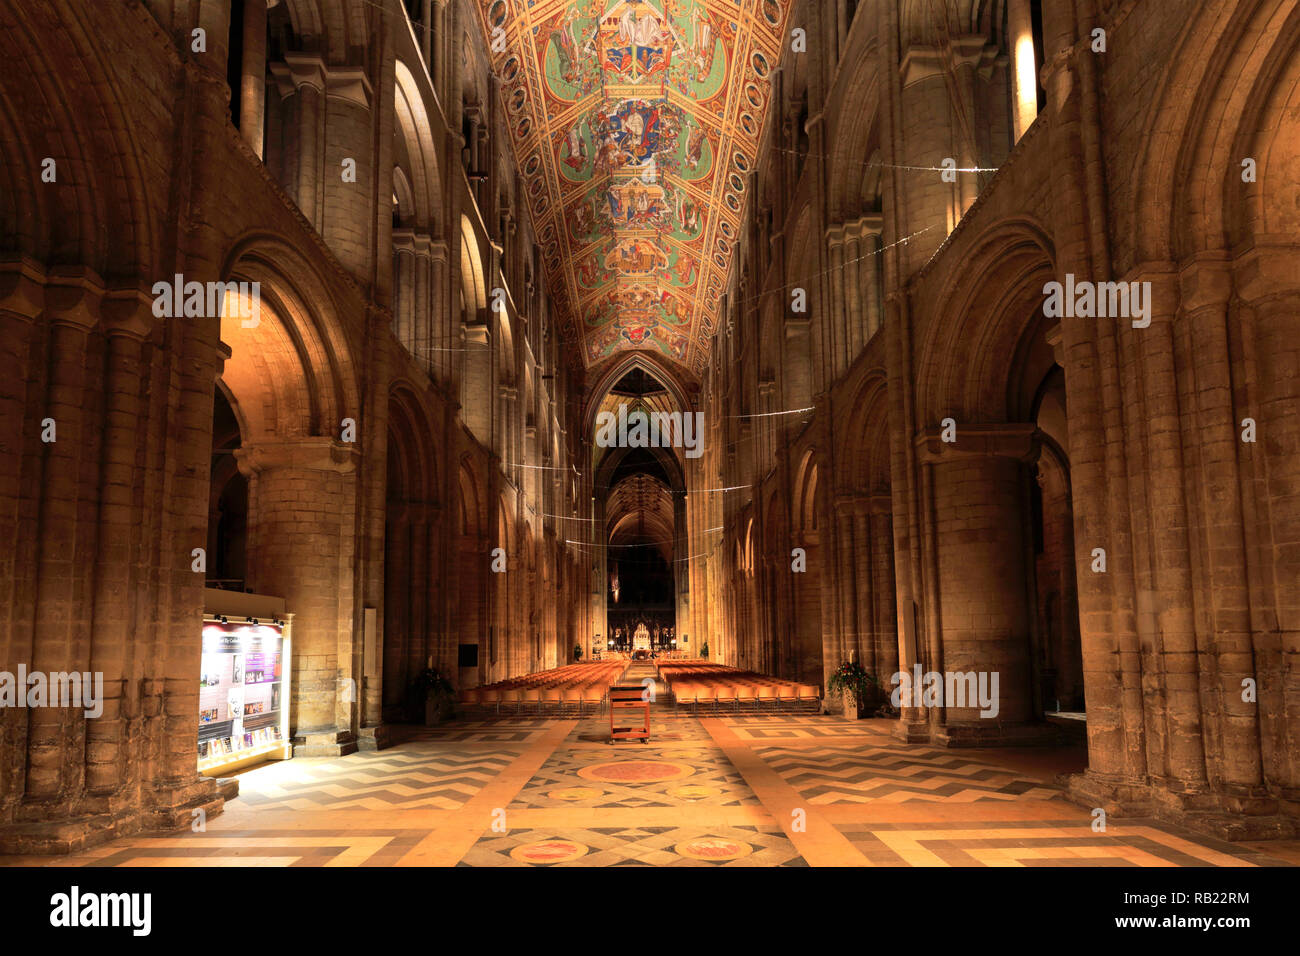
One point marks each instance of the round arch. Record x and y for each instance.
(995, 299)
(294, 357)
(414, 128)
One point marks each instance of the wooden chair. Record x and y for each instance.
(594, 695)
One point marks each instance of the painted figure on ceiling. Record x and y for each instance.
(572, 46)
(635, 203)
(684, 268)
(702, 45)
(588, 273)
(694, 147)
(635, 43)
(575, 148)
(687, 213)
(630, 135)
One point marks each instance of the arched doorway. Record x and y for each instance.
(637, 533)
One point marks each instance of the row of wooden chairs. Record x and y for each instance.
(707, 685)
(575, 688)
(577, 699)
(746, 696)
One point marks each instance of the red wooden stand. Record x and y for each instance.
(628, 705)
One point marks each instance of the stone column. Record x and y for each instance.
(252, 81)
(882, 586)
(396, 619)
(835, 323)
(302, 76)
(1213, 429)
(978, 501)
(404, 287)
(853, 338)
(1024, 71)
(302, 514)
(416, 594)
(431, 586)
(867, 289)
(1267, 284)
(1166, 620)
(22, 298)
(850, 596)
(439, 361)
(127, 321)
(864, 548)
(426, 34)
(64, 558)
(421, 322)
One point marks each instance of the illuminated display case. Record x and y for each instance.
(243, 694)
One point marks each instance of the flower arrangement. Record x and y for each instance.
(852, 678)
(431, 694)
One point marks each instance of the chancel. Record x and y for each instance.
(893, 402)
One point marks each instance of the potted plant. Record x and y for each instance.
(857, 688)
(432, 697)
(704, 649)
(577, 652)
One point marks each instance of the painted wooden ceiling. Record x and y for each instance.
(635, 124)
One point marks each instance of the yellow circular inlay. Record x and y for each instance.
(715, 849)
(694, 792)
(548, 851)
(575, 793)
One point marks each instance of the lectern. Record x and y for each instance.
(629, 713)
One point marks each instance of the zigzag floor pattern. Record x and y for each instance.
(421, 774)
(734, 791)
(859, 775)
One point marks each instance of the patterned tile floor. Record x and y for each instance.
(707, 790)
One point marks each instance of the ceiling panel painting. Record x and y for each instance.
(635, 124)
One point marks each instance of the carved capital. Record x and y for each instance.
(304, 454)
(1002, 440)
(129, 312)
(73, 297)
(22, 288)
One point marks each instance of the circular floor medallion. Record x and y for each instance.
(714, 849)
(548, 851)
(636, 771)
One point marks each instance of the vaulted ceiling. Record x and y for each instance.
(635, 124)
